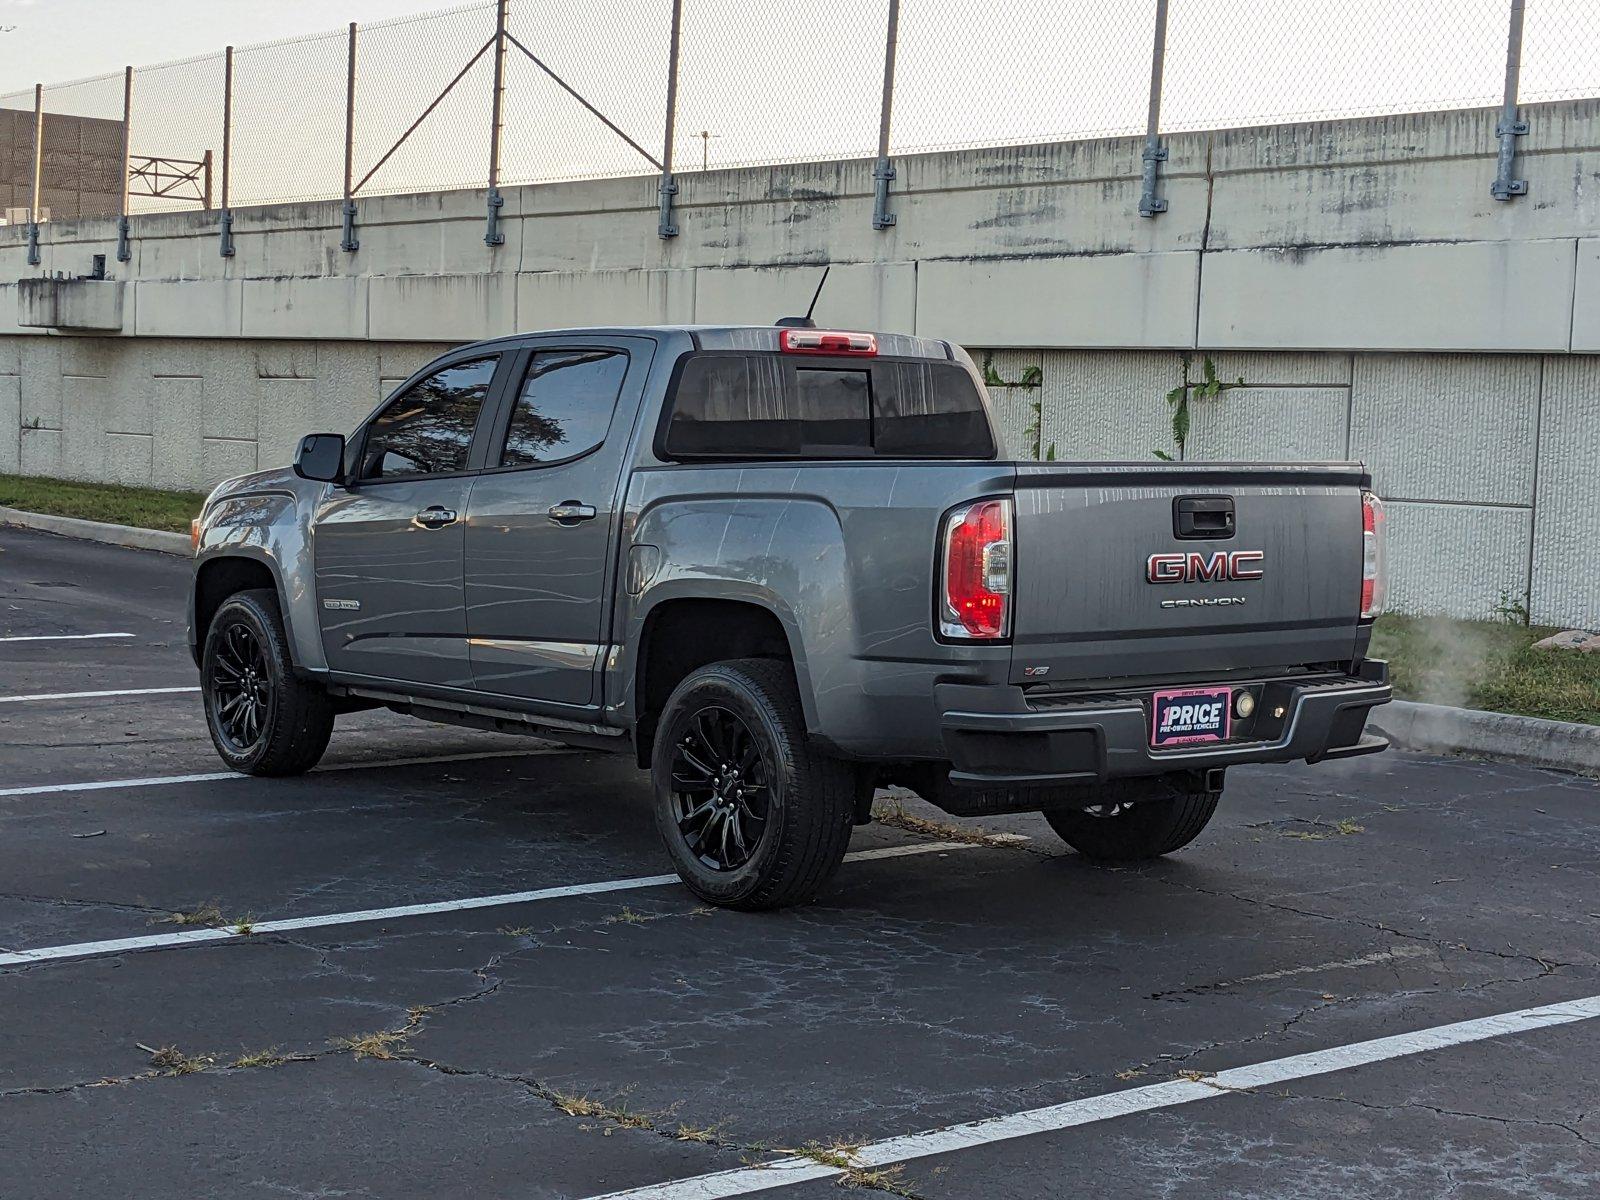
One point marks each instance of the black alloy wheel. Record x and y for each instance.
(264, 719)
(242, 685)
(721, 788)
(751, 812)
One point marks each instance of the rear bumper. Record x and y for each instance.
(1094, 739)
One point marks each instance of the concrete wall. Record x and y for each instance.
(1467, 450)
(177, 412)
(183, 412)
(1357, 274)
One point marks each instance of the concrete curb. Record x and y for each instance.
(1503, 737)
(99, 531)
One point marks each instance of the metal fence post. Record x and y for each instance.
(1510, 128)
(348, 243)
(1154, 152)
(225, 240)
(667, 227)
(38, 174)
(206, 163)
(492, 235)
(884, 172)
(124, 248)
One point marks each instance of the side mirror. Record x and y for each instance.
(320, 457)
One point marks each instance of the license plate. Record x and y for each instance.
(1186, 715)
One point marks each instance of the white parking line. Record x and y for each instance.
(189, 937)
(743, 1181)
(104, 785)
(96, 695)
(62, 637)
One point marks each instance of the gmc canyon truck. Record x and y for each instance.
(782, 566)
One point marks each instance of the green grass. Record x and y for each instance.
(1489, 665)
(147, 508)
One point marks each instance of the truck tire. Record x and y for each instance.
(263, 719)
(1116, 832)
(752, 815)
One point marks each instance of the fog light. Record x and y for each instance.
(1279, 711)
(1244, 704)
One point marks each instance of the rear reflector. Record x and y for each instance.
(1374, 565)
(827, 341)
(977, 571)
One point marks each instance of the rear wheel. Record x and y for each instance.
(1117, 831)
(752, 816)
(262, 718)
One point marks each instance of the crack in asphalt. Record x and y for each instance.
(577, 1107)
(1430, 1108)
(65, 902)
(1547, 966)
(491, 978)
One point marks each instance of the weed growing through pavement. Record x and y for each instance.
(203, 914)
(383, 1043)
(628, 917)
(380, 1045)
(1344, 828)
(688, 1133)
(260, 1058)
(894, 814)
(882, 1179)
(169, 1060)
(586, 1106)
(838, 1154)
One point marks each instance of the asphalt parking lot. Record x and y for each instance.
(464, 974)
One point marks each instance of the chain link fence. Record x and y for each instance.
(511, 91)
(175, 120)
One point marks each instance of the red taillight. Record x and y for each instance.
(977, 571)
(1374, 568)
(827, 341)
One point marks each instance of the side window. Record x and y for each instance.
(734, 406)
(565, 405)
(427, 429)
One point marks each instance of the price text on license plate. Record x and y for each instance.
(1186, 715)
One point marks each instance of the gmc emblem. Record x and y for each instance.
(1195, 567)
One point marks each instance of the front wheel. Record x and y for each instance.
(752, 816)
(1131, 832)
(263, 719)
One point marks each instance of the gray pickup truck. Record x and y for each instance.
(782, 566)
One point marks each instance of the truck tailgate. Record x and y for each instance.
(1284, 590)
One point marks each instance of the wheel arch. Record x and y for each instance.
(223, 575)
(678, 635)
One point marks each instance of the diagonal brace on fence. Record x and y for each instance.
(412, 128)
(578, 96)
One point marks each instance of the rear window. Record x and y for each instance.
(773, 406)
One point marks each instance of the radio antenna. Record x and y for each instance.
(817, 295)
(806, 322)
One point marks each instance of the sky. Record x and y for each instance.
(762, 80)
(68, 39)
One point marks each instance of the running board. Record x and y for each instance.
(496, 720)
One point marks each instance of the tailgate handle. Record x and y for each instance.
(1203, 516)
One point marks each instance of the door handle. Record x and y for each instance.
(436, 516)
(570, 512)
